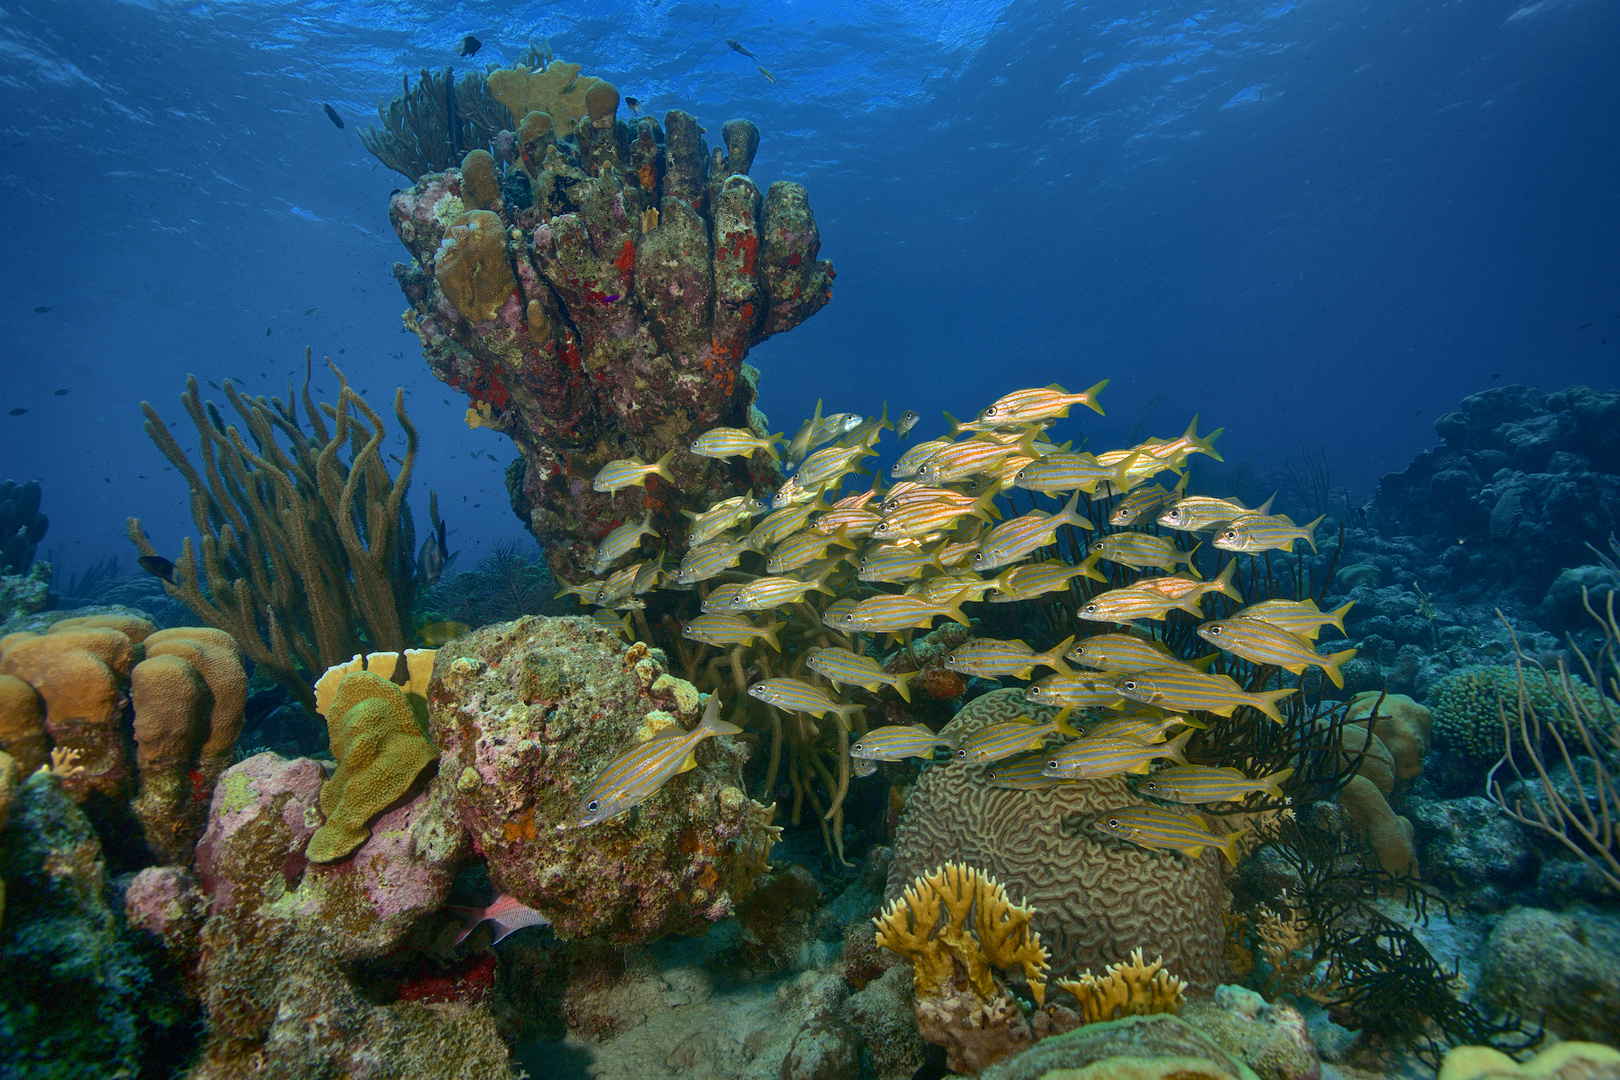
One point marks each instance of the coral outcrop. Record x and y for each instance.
(601, 305)
(1094, 900)
(525, 715)
(1147, 1047)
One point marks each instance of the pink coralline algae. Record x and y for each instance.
(638, 270)
(525, 715)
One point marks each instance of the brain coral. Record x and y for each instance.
(1095, 899)
(1466, 713)
(526, 714)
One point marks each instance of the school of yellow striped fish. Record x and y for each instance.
(896, 560)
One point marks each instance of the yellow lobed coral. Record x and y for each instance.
(381, 746)
(1128, 988)
(1402, 725)
(473, 267)
(22, 723)
(418, 670)
(557, 89)
(944, 951)
(480, 185)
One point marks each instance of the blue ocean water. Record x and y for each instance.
(1319, 225)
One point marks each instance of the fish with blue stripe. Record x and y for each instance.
(632, 777)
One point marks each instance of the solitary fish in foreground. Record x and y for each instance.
(508, 913)
(631, 472)
(896, 742)
(1160, 829)
(644, 768)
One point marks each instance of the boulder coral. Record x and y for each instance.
(1094, 900)
(79, 675)
(525, 715)
(601, 308)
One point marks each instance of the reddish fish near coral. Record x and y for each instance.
(508, 913)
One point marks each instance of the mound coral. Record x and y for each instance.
(959, 1002)
(1093, 901)
(1467, 703)
(79, 675)
(473, 268)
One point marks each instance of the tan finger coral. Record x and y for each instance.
(1128, 988)
(381, 747)
(473, 267)
(942, 952)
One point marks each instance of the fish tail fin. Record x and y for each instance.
(770, 446)
(1122, 472)
(1180, 490)
(1026, 444)
(883, 421)
(661, 466)
(953, 607)
(902, 685)
(1274, 782)
(769, 635)
(1192, 568)
(646, 524)
(713, 725)
(984, 506)
(1091, 393)
(1229, 844)
(1309, 531)
(1088, 566)
(1336, 616)
(1191, 605)
(1064, 728)
(841, 538)
(1207, 444)
(1056, 653)
(1332, 667)
(1266, 702)
(956, 425)
(1192, 721)
(1072, 515)
(1203, 663)
(844, 712)
(1174, 749)
(1223, 580)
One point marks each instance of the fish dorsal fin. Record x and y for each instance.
(1057, 387)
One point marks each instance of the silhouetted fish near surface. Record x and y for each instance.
(767, 74)
(634, 105)
(332, 114)
(157, 566)
(16, 412)
(311, 311)
(736, 47)
(42, 309)
(468, 46)
(507, 913)
(1578, 329)
(62, 392)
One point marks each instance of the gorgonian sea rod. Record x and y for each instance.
(595, 295)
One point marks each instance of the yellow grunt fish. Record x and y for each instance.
(705, 561)
(1095, 757)
(725, 442)
(1262, 532)
(1197, 784)
(720, 597)
(726, 629)
(631, 472)
(644, 768)
(913, 459)
(1160, 829)
(720, 517)
(896, 743)
(1138, 601)
(1074, 472)
(1022, 773)
(1176, 451)
(1083, 690)
(764, 593)
(1300, 617)
(999, 741)
(1142, 550)
(1185, 688)
(801, 549)
(613, 624)
(1137, 505)
(824, 467)
(781, 524)
(796, 695)
(1139, 726)
(1024, 406)
(1175, 587)
(1019, 538)
(1262, 643)
(1121, 652)
(941, 588)
(991, 658)
(852, 669)
(618, 543)
(1200, 513)
(888, 613)
(892, 563)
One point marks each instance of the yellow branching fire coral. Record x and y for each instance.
(1128, 988)
(929, 925)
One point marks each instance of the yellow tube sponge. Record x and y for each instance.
(472, 265)
(943, 951)
(381, 747)
(1128, 988)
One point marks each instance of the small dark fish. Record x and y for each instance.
(611, 298)
(1498, 375)
(215, 385)
(736, 47)
(634, 103)
(1578, 329)
(16, 412)
(1418, 413)
(267, 331)
(332, 115)
(42, 309)
(765, 73)
(431, 560)
(157, 566)
(311, 311)
(469, 45)
(908, 420)
(63, 393)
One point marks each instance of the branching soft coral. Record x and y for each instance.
(1128, 988)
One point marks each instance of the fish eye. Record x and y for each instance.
(1052, 764)
(1113, 823)
(1129, 684)
(591, 807)
(1214, 631)
(961, 755)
